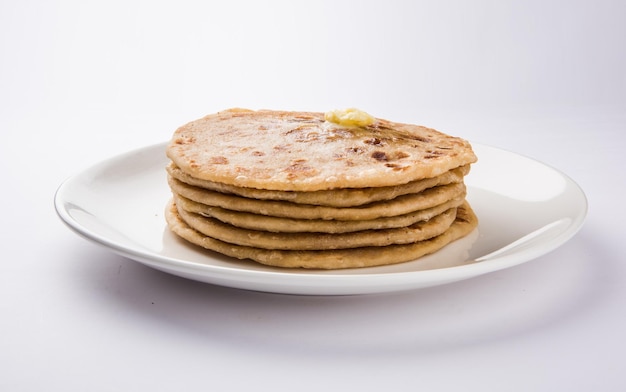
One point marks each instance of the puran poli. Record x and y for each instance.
(305, 190)
(247, 220)
(344, 197)
(400, 205)
(300, 151)
(419, 231)
(464, 223)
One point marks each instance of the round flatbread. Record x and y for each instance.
(399, 206)
(300, 151)
(318, 241)
(464, 223)
(247, 220)
(346, 197)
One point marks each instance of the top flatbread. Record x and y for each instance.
(299, 151)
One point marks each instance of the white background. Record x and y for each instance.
(81, 81)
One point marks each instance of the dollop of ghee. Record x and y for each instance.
(349, 117)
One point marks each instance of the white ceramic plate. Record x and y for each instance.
(525, 209)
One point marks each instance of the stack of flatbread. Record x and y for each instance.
(309, 190)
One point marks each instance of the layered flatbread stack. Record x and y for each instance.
(315, 190)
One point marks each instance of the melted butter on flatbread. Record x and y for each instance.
(349, 117)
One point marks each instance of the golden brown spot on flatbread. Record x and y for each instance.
(300, 168)
(380, 156)
(220, 160)
(373, 141)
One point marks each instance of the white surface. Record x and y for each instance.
(120, 202)
(83, 81)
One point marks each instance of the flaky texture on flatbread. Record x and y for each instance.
(464, 223)
(247, 220)
(318, 241)
(344, 197)
(400, 205)
(300, 151)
